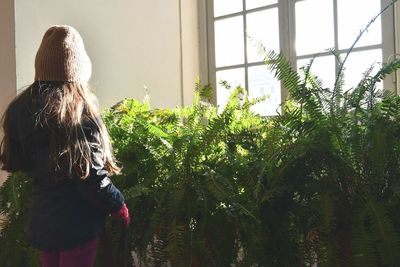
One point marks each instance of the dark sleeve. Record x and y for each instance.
(18, 128)
(97, 188)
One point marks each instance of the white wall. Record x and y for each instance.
(190, 46)
(7, 56)
(132, 44)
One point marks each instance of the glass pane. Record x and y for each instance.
(234, 77)
(323, 67)
(250, 4)
(314, 26)
(263, 27)
(358, 63)
(225, 7)
(229, 43)
(353, 16)
(262, 82)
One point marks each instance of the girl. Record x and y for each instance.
(53, 132)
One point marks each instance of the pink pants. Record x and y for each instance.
(82, 256)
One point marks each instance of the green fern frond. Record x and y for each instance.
(387, 241)
(283, 71)
(387, 68)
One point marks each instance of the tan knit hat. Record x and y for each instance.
(62, 56)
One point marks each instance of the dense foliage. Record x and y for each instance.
(320, 183)
(14, 205)
(192, 177)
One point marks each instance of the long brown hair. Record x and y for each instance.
(64, 109)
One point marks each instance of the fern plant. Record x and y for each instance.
(189, 176)
(338, 163)
(317, 184)
(14, 204)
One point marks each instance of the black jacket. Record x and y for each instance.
(68, 212)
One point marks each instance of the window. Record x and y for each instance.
(302, 30)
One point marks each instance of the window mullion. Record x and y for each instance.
(286, 36)
(289, 9)
(388, 39)
(336, 33)
(246, 76)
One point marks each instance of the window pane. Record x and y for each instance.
(250, 4)
(263, 27)
(314, 26)
(225, 7)
(234, 77)
(262, 82)
(358, 63)
(352, 19)
(323, 67)
(229, 43)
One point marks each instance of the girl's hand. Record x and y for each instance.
(123, 215)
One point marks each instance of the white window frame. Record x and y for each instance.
(286, 9)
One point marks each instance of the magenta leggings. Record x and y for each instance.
(81, 256)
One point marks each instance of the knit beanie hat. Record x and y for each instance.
(62, 56)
